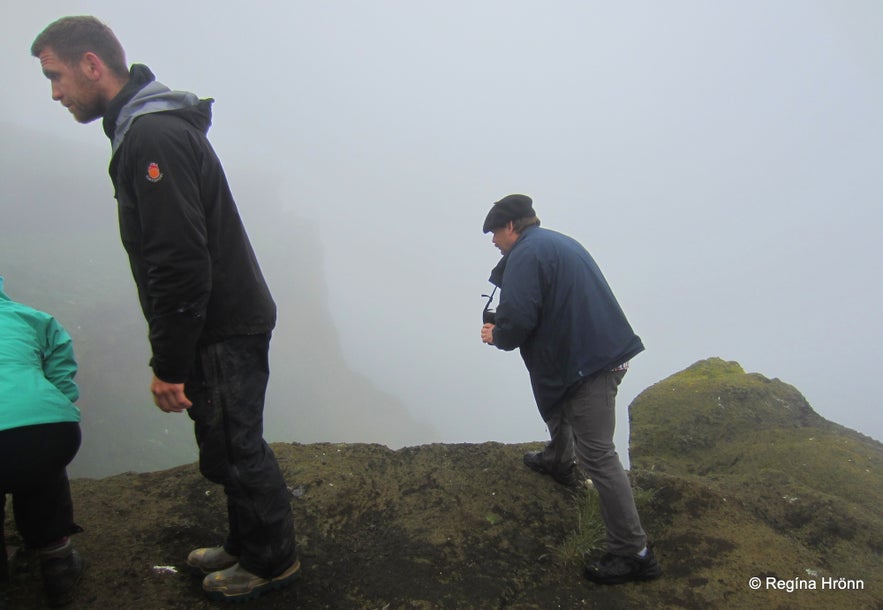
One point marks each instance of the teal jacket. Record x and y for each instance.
(37, 368)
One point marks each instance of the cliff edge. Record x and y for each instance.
(736, 479)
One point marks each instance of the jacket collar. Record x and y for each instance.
(144, 95)
(139, 76)
(496, 277)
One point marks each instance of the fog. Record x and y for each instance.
(721, 161)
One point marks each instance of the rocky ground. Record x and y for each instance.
(438, 526)
(750, 498)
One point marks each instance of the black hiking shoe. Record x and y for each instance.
(62, 570)
(616, 569)
(573, 479)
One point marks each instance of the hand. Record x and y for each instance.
(169, 397)
(487, 334)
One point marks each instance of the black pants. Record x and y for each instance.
(32, 468)
(227, 389)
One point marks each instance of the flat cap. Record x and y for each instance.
(510, 207)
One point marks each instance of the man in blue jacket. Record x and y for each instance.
(557, 308)
(209, 311)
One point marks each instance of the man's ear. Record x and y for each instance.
(92, 66)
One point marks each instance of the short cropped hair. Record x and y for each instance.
(520, 224)
(71, 37)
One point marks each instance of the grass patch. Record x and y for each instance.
(589, 536)
(643, 499)
(589, 533)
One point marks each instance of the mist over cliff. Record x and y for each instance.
(60, 252)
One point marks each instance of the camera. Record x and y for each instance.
(488, 315)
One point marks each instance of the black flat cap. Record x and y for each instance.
(510, 207)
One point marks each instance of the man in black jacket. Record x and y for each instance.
(208, 308)
(557, 308)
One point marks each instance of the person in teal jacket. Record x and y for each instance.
(39, 436)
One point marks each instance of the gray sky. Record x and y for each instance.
(720, 160)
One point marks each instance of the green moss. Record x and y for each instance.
(758, 441)
(712, 402)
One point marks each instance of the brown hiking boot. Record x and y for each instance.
(211, 559)
(238, 584)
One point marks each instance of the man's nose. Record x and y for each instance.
(56, 92)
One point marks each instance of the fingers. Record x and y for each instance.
(169, 397)
(170, 403)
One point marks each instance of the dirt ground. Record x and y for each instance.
(432, 527)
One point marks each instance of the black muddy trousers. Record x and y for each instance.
(227, 388)
(33, 460)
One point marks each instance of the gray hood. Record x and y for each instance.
(154, 97)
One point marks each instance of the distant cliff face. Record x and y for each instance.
(60, 251)
(793, 503)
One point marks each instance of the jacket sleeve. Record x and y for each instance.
(520, 299)
(165, 174)
(59, 364)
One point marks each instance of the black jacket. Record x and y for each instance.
(557, 307)
(197, 276)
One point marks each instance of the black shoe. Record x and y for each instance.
(615, 569)
(533, 461)
(62, 570)
(572, 479)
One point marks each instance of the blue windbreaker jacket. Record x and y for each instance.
(556, 306)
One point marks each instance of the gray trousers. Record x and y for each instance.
(582, 430)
